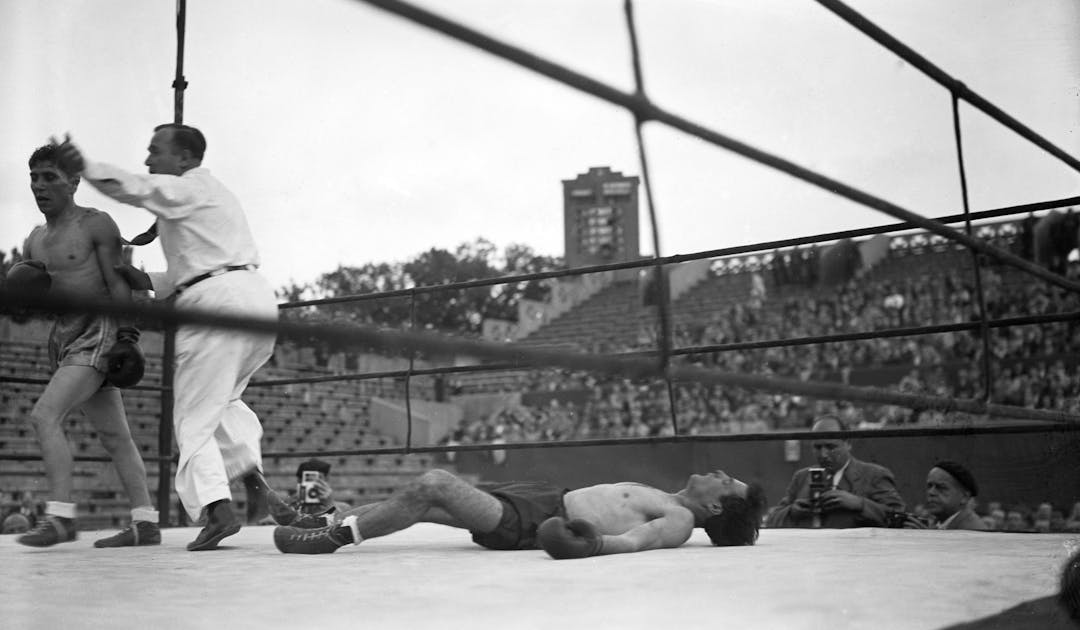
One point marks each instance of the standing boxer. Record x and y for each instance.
(74, 254)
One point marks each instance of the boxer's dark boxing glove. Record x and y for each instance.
(28, 276)
(563, 539)
(126, 361)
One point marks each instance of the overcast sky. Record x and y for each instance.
(352, 136)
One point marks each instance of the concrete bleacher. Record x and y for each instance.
(617, 318)
(618, 306)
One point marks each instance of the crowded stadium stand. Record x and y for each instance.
(922, 280)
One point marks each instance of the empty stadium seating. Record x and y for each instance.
(298, 417)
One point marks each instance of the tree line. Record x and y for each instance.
(456, 311)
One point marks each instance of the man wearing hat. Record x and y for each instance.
(949, 490)
(313, 497)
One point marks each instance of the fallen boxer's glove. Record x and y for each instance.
(564, 539)
(126, 361)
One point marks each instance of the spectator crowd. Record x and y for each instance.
(1032, 365)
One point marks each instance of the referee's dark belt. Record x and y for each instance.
(210, 274)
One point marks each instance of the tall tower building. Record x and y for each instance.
(600, 218)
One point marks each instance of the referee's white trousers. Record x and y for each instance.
(218, 435)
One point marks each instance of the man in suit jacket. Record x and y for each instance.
(857, 494)
(949, 490)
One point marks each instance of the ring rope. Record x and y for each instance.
(398, 342)
(690, 350)
(951, 430)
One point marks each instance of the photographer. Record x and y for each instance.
(313, 496)
(840, 492)
(949, 490)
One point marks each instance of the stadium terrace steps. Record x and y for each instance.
(616, 316)
(299, 417)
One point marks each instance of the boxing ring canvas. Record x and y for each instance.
(432, 576)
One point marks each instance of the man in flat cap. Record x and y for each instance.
(949, 490)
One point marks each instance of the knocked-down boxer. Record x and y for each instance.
(596, 520)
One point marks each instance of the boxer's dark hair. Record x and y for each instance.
(47, 154)
(186, 137)
(740, 519)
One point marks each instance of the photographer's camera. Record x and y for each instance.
(897, 520)
(819, 484)
(309, 490)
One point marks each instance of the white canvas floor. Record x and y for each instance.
(434, 577)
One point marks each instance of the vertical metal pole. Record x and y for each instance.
(179, 83)
(165, 429)
(168, 352)
(408, 375)
(984, 328)
(664, 297)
